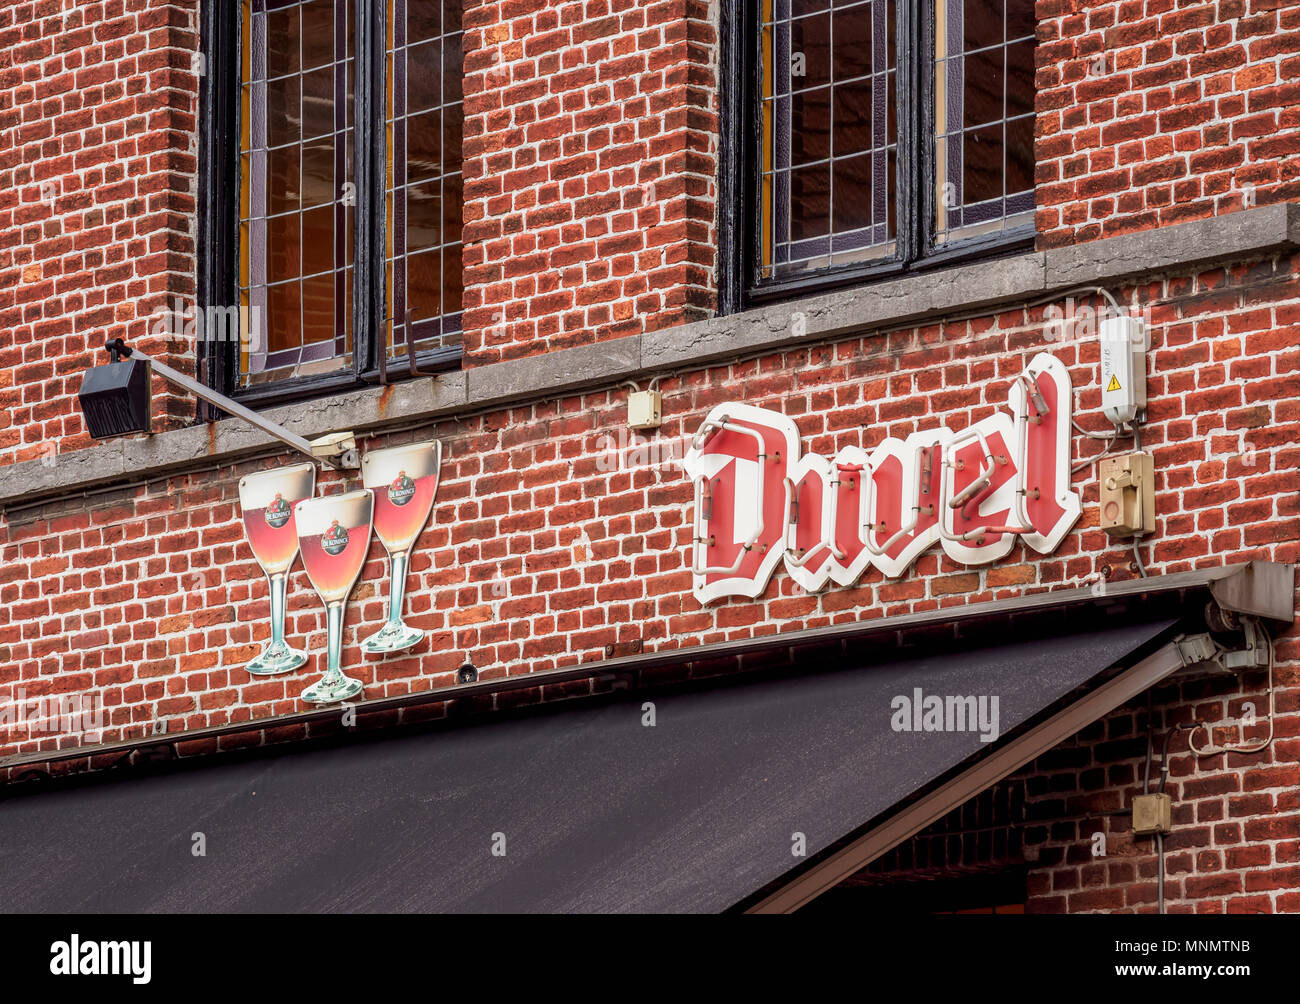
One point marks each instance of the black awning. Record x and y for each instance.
(597, 811)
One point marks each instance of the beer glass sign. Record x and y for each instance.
(334, 534)
(267, 499)
(404, 480)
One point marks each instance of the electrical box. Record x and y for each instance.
(1126, 490)
(644, 409)
(1123, 368)
(1152, 814)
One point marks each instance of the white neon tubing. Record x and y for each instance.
(977, 486)
(1022, 445)
(953, 504)
(812, 551)
(710, 427)
(870, 531)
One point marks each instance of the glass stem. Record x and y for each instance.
(334, 625)
(397, 591)
(277, 584)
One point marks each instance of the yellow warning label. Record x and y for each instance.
(1113, 385)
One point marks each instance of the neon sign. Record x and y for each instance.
(760, 503)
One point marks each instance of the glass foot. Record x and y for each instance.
(277, 658)
(392, 638)
(325, 691)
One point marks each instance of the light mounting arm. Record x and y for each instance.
(337, 450)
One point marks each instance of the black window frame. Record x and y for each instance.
(740, 70)
(217, 245)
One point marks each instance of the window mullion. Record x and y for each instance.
(218, 230)
(918, 183)
(368, 167)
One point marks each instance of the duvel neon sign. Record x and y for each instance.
(759, 503)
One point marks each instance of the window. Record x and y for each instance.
(983, 117)
(875, 136)
(830, 135)
(295, 212)
(423, 192)
(331, 207)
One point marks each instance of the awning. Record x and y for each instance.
(593, 810)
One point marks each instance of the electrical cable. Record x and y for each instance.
(1089, 461)
(1146, 776)
(1213, 750)
(1164, 750)
(1164, 777)
(1100, 435)
(1107, 437)
(1106, 293)
(1137, 558)
(1160, 873)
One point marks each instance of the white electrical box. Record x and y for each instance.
(1123, 368)
(644, 409)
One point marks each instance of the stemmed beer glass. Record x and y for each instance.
(267, 499)
(334, 534)
(404, 480)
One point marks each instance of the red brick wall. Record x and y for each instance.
(591, 142)
(591, 145)
(1151, 112)
(97, 190)
(108, 598)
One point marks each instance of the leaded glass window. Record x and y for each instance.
(886, 133)
(296, 210)
(424, 191)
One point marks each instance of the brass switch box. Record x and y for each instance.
(1151, 814)
(1127, 493)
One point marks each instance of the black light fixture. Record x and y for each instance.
(115, 399)
(467, 674)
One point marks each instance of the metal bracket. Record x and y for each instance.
(1201, 650)
(1197, 650)
(338, 448)
(1256, 651)
(382, 360)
